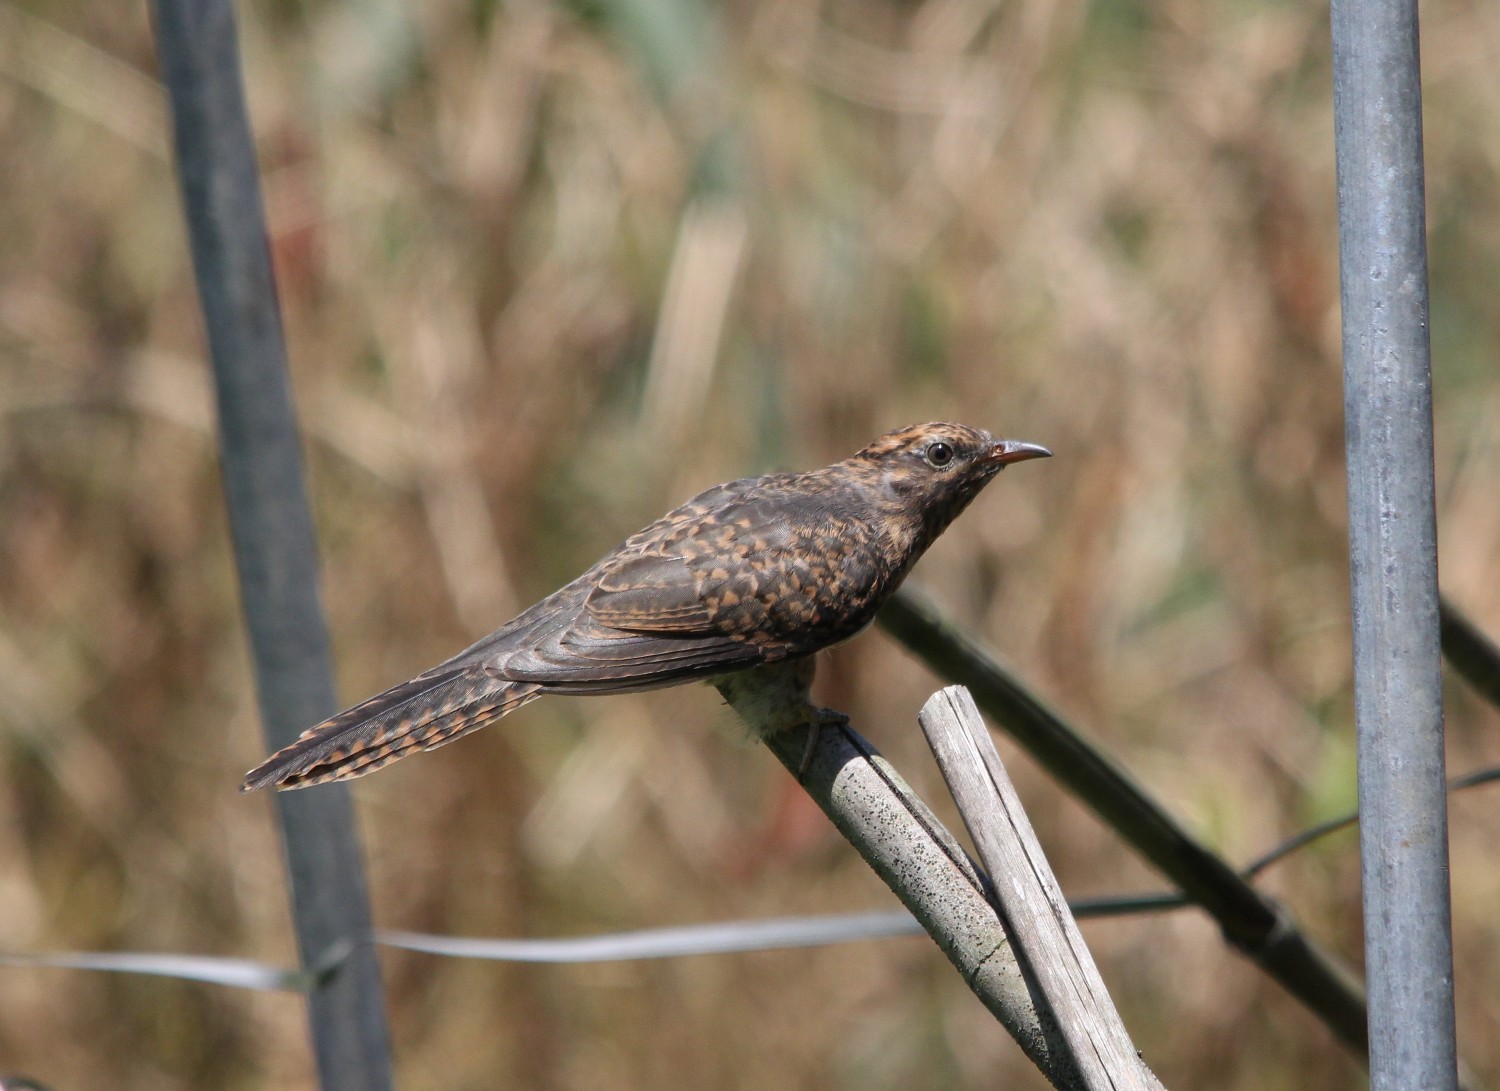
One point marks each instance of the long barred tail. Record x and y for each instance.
(424, 713)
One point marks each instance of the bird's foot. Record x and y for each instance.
(818, 719)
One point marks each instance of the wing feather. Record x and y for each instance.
(746, 574)
(652, 593)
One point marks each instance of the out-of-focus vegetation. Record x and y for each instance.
(548, 269)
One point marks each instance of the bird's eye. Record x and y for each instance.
(938, 454)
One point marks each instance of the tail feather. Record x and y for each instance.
(421, 714)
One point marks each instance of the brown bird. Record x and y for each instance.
(742, 584)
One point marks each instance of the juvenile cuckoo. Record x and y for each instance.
(742, 584)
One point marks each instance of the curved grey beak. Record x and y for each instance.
(1006, 451)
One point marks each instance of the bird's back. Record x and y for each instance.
(753, 571)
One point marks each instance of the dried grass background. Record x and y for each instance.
(548, 269)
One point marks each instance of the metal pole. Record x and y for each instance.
(272, 527)
(1393, 544)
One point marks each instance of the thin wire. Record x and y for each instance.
(728, 937)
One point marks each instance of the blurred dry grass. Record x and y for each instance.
(549, 269)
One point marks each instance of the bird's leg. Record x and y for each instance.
(819, 719)
(776, 697)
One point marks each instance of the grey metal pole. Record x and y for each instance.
(1393, 544)
(261, 463)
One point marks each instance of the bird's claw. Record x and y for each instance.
(820, 718)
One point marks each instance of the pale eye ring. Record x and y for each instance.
(938, 454)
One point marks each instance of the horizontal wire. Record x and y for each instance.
(729, 937)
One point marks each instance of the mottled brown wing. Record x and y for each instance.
(652, 592)
(712, 587)
(789, 570)
(571, 649)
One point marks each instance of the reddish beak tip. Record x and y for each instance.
(1007, 451)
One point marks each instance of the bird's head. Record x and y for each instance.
(933, 471)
